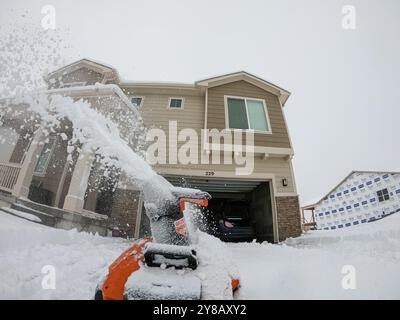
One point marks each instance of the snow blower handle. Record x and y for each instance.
(200, 202)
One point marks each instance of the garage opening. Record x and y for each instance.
(240, 210)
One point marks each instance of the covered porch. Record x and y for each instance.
(38, 175)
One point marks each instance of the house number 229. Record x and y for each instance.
(210, 173)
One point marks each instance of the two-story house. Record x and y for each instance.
(38, 178)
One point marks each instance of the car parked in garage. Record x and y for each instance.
(234, 222)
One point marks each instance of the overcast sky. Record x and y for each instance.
(344, 111)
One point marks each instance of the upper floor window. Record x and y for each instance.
(175, 103)
(247, 113)
(137, 101)
(383, 195)
(44, 158)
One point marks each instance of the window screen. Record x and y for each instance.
(257, 117)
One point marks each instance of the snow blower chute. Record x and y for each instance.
(164, 266)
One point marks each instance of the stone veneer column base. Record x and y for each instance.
(289, 219)
(124, 212)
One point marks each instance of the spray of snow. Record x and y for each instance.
(94, 132)
(29, 53)
(216, 267)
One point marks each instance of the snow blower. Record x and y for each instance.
(164, 266)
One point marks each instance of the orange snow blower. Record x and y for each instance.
(150, 268)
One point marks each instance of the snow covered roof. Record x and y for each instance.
(312, 203)
(97, 88)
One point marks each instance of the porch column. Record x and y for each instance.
(126, 209)
(21, 187)
(75, 198)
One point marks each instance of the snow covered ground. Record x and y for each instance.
(309, 267)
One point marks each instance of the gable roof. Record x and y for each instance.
(86, 63)
(112, 73)
(248, 77)
(311, 204)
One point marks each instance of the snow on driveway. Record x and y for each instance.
(309, 267)
(79, 258)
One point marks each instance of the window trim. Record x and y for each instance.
(141, 102)
(42, 174)
(182, 104)
(73, 84)
(226, 97)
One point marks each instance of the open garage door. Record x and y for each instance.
(240, 209)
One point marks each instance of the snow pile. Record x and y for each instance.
(309, 267)
(315, 265)
(79, 260)
(24, 215)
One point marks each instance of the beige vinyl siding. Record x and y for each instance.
(81, 75)
(156, 114)
(216, 111)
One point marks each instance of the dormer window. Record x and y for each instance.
(137, 101)
(247, 113)
(175, 103)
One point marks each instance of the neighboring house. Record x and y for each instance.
(42, 173)
(361, 197)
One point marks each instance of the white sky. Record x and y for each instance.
(344, 107)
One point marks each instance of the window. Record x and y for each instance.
(44, 158)
(383, 195)
(137, 101)
(175, 103)
(247, 113)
